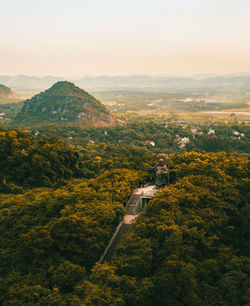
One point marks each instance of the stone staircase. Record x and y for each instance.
(124, 229)
(136, 204)
(132, 203)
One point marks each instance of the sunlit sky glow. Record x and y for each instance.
(116, 37)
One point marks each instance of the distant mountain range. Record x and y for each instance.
(65, 103)
(29, 82)
(7, 94)
(224, 83)
(232, 83)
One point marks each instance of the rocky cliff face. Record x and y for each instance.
(65, 103)
(6, 93)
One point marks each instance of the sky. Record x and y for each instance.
(123, 37)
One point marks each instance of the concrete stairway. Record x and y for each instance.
(124, 229)
(132, 203)
(134, 207)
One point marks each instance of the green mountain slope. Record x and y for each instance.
(65, 103)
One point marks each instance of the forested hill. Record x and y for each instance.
(65, 103)
(6, 93)
(190, 246)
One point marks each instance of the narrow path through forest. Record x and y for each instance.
(135, 206)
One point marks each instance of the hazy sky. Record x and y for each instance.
(79, 37)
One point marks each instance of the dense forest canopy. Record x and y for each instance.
(167, 137)
(190, 246)
(26, 162)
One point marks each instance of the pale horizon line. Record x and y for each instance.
(158, 75)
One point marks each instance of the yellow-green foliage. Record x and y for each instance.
(26, 162)
(191, 246)
(51, 238)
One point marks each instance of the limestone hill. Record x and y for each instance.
(7, 94)
(65, 103)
